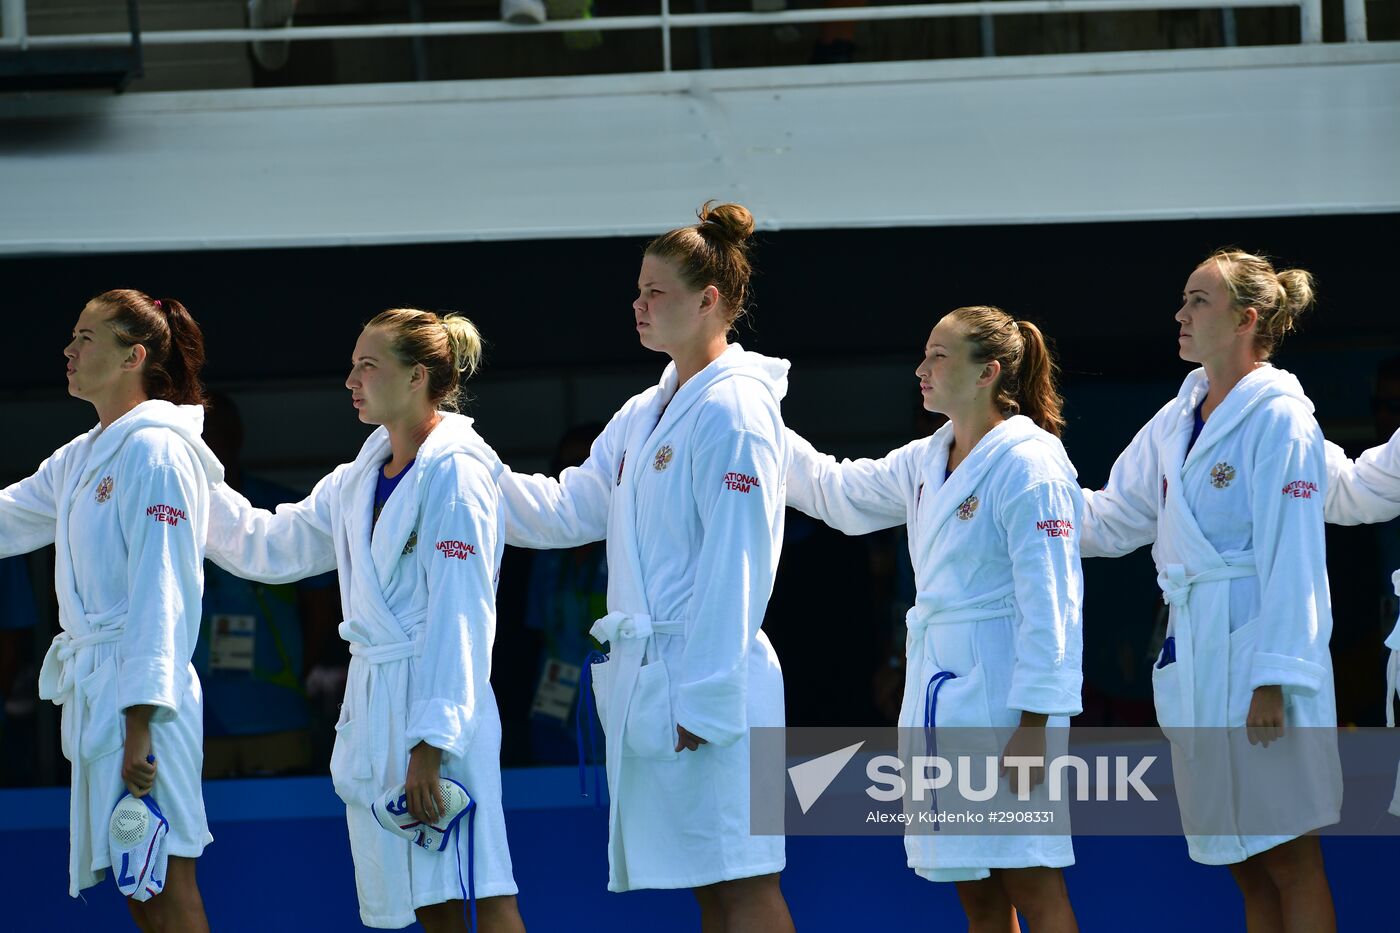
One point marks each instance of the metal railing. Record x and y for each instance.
(1310, 15)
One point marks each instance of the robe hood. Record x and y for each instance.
(1265, 382)
(187, 421)
(734, 361)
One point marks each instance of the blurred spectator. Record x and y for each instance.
(271, 14)
(575, 9)
(568, 591)
(258, 643)
(19, 620)
(272, 54)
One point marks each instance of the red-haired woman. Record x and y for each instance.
(126, 504)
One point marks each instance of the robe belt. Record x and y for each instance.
(628, 636)
(383, 654)
(919, 618)
(1176, 586)
(59, 674)
(617, 625)
(1176, 583)
(377, 710)
(66, 664)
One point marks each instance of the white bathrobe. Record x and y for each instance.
(1237, 533)
(995, 550)
(687, 487)
(1362, 492)
(418, 591)
(127, 507)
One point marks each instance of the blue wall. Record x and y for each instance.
(280, 861)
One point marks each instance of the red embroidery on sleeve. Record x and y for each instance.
(458, 549)
(1056, 528)
(740, 482)
(167, 514)
(1300, 489)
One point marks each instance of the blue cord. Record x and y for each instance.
(469, 888)
(935, 684)
(587, 709)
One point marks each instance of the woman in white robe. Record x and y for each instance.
(686, 485)
(413, 529)
(1366, 491)
(1227, 482)
(993, 507)
(126, 505)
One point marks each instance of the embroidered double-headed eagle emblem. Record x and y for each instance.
(412, 543)
(104, 489)
(968, 508)
(1222, 475)
(663, 458)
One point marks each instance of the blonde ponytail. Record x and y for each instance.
(464, 343)
(448, 347)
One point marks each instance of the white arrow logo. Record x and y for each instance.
(811, 778)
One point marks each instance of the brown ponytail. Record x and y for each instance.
(173, 341)
(1026, 385)
(1039, 396)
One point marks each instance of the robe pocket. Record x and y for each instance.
(651, 725)
(1167, 695)
(351, 774)
(962, 702)
(102, 721)
(602, 676)
(1242, 644)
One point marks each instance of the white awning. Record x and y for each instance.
(1133, 136)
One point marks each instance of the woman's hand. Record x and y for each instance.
(1264, 724)
(1028, 741)
(421, 784)
(138, 763)
(687, 739)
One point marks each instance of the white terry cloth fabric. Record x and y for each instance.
(126, 507)
(418, 593)
(999, 595)
(1362, 492)
(686, 484)
(1237, 533)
